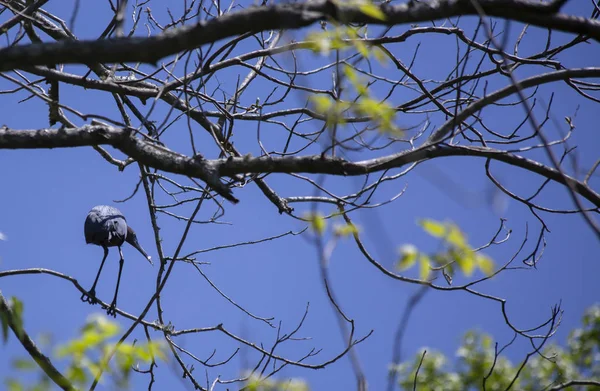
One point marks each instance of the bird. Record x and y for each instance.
(105, 226)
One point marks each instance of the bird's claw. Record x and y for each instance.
(111, 311)
(89, 297)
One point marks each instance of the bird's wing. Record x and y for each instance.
(105, 226)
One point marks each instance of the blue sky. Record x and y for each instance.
(47, 193)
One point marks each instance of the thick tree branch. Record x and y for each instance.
(210, 171)
(147, 153)
(43, 361)
(318, 164)
(282, 16)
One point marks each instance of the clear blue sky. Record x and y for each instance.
(46, 195)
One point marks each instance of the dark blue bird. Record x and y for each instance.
(106, 226)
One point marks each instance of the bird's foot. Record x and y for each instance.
(90, 297)
(111, 311)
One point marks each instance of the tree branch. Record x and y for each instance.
(564, 74)
(281, 16)
(210, 171)
(571, 383)
(147, 153)
(43, 361)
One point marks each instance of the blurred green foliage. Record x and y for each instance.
(84, 356)
(257, 384)
(361, 103)
(455, 252)
(477, 362)
(318, 225)
(16, 306)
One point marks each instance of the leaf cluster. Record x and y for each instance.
(86, 354)
(456, 253)
(477, 363)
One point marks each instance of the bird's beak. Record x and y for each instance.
(141, 250)
(132, 239)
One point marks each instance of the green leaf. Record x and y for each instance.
(408, 256)
(350, 74)
(74, 348)
(424, 267)
(158, 349)
(379, 54)
(345, 230)
(143, 354)
(24, 364)
(322, 103)
(317, 222)
(17, 309)
(456, 237)
(295, 385)
(465, 261)
(13, 385)
(368, 106)
(108, 328)
(76, 374)
(319, 42)
(4, 320)
(91, 339)
(485, 263)
(433, 228)
(486, 341)
(126, 349)
(125, 357)
(95, 368)
(44, 339)
(361, 48)
(372, 10)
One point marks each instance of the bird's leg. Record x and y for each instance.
(113, 305)
(90, 296)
